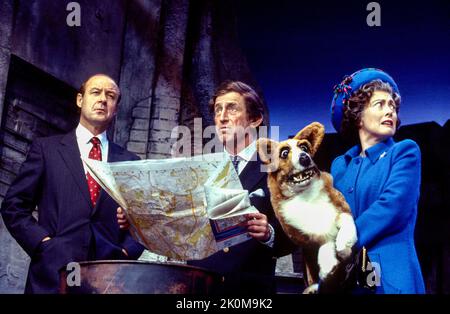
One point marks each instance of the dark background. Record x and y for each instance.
(298, 50)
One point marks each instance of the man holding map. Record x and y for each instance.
(76, 218)
(247, 265)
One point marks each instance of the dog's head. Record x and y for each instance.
(290, 162)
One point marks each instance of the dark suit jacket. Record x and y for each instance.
(53, 179)
(249, 267)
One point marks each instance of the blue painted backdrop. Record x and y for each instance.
(298, 50)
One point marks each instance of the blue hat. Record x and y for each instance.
(344, 90)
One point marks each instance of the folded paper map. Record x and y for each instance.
(225, 208)
(182, 208)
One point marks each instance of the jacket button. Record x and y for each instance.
(226, 250)
(350, 190)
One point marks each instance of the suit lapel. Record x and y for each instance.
(71, 155)
(114, 153)
(251, 175)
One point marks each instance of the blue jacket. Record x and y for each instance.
(382, 190)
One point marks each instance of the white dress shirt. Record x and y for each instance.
(245, 156)
(83, 139)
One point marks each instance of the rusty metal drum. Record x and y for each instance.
(139, 277)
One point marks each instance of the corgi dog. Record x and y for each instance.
(312, 213)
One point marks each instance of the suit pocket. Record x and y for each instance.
(43, 247)
(45, 265)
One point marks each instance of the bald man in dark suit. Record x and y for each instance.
(76, 218)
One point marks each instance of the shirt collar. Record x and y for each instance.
(374, 152)
(85, 135)
(247, 153)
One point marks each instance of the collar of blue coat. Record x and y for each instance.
(374, 153)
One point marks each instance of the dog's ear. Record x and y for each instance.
(267, 150)
(314, 134)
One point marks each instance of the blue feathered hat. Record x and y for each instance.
(351, 83)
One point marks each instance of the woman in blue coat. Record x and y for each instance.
(379, 178)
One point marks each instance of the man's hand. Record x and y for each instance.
(257, 226)
(122, 220)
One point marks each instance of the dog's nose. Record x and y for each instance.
(305, 161)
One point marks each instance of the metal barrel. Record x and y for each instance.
(137, 277)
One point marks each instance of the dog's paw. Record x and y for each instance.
(344, 253)
(326, 259)
(344, 245)
(327, 268)
(312, 289)
(346, 236)
(323, 273)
